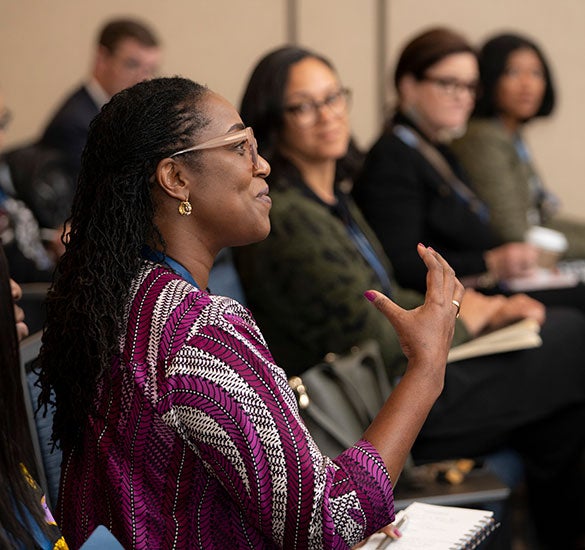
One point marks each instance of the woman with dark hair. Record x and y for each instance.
(412, 188)
(25, 520)
(517, 87)
(304, 283)
(494, 63)
(178, 430)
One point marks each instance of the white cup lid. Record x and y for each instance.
(546, 238)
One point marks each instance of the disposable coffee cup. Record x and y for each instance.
(550, 243)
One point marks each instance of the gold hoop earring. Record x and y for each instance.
(185, 207)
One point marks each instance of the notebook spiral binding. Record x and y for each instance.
(473, 538)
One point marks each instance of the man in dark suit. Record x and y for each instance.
(127, 53)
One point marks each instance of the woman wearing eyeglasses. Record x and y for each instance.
(177, 427)
(305, 281)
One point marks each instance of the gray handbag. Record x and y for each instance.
(339, 397)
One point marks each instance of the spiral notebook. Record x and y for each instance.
(435, 527)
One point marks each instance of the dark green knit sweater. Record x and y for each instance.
(305, 284)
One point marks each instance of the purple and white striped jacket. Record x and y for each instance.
(199, 443)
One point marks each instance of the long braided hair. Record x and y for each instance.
(112, 218)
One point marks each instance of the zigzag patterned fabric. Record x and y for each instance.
(199, 444)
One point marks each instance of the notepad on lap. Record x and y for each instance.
(523, 334)
(434, 527)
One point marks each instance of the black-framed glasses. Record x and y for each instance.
(247, 134)
(453, 86)
(305, 113)
(5, 119)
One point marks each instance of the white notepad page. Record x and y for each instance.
(433, 527)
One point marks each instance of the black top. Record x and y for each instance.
(407, 201)
(67, 131)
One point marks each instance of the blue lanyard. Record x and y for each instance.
(368, 253)
(160, 258)
(521, 149)
(361, 242)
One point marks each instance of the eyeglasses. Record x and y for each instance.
(136, 63)
(305, 113)
(453, 86)
(247, 134)
(5, 119)
(134, 66)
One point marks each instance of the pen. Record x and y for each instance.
(400, 521)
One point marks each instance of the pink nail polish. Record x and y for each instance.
(369, 295)
(397, 532)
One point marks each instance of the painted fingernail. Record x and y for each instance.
(397, 532)
(421, 244)
(369, 295)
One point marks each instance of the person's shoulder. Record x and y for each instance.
(159, 284)
(230, 310)
(77, 106)
(390, 159)
(230, 318)
(291, 205)
(483, 136)
(388, 144)
(301, 225)
(78, 97)
(485, 128)
(161, 300)
(284, 194)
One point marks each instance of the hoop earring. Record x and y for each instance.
(185, 207)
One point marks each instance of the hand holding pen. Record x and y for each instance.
(393, 531)
(385, 535)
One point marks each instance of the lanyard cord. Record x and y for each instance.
(411, 138)
(369, 254)
(362, 243)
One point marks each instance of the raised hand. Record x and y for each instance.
(427, 331)
(425, 335)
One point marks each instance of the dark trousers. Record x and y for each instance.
(532, 401)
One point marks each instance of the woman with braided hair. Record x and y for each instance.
(177, 428)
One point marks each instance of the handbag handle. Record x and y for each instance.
(341, 395)
(316, 414)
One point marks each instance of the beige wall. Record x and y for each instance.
(46, 48)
